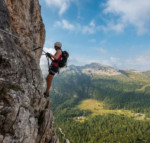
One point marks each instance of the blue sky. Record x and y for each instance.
(109, 32)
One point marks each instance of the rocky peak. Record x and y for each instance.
(25, 115)
(98, 69)
(96, 65)
(94, 69)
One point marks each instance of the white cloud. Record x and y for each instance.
(65, 25)
(130, 12)
(80, 61)
(114, 60)
(102, 50)
(99, 50)
(62, 5)
(85, 29)
(92, 23)
(44, 65)
(88, 29)
(119, 27)
(140, 62)
(50, 50)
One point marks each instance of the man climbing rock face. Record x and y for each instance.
(54, 67)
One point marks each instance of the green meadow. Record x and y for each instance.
(98, 108)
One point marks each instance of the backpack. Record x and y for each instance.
(64, 58)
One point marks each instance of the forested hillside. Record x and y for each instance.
(121, 110)
(147, 73)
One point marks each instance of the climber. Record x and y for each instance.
(54, 68)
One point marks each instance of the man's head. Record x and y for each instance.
(57, 45)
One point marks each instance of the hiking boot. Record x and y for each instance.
(46, 95)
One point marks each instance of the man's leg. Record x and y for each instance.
(49, 82)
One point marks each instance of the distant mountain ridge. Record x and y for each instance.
(99, 69)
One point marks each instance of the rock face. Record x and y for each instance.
(25, 115)
(25, 18)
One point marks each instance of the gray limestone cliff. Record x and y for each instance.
(25, 115)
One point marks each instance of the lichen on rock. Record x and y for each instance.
(25, 116)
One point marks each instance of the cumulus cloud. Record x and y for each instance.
(92, 23)
(118, 27)
(65, 25)
(90, 28)
(85, 29)
(62, 5)
(140, 62)
(80, 61)
(129, 12)
(114, 60)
